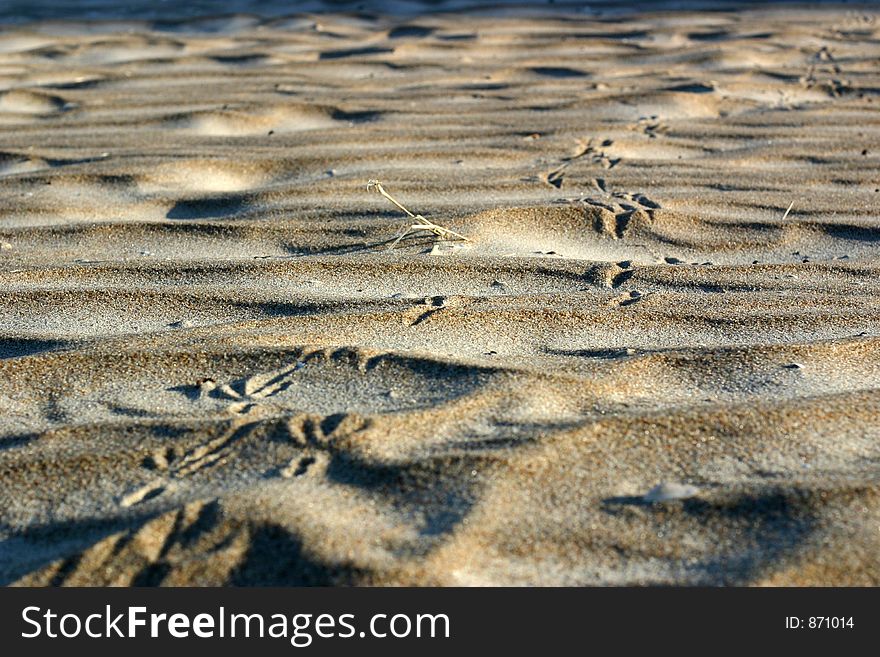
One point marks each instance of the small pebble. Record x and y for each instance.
(668, 491)
(445, 248)
(5, 246)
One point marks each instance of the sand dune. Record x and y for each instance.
(215, 371)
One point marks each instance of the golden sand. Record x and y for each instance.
(637, 370)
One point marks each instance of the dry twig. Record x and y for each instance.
(422, 223)
(785, 216)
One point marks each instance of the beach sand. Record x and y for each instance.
(639, 369)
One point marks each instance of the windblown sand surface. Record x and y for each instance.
(214, 371)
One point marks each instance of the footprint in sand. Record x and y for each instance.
(589, 150)
(246, 395)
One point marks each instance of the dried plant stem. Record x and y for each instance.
(422, 225)
(785, 216)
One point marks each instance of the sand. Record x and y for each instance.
(637, 370)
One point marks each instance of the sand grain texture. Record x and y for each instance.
(213, 370)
